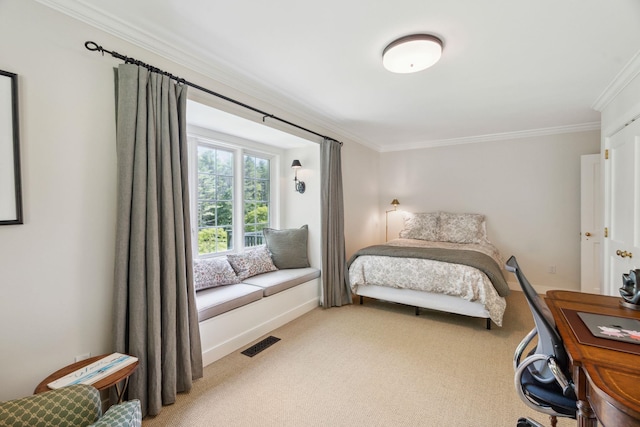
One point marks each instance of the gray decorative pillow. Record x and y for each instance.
(422, 226)
(462, 228)
(212, 272)
(288, 247)
(251, 262)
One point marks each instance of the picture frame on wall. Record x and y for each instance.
(10, 183)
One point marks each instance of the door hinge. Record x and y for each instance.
(606, 154)
(606, 232)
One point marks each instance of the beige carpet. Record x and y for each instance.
(371, 365)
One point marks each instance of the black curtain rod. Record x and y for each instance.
(92, 46)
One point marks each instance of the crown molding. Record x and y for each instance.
(215, 69)
(584, 127)
(251, 85)
(620, 81)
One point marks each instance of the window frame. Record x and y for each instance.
(239, 147)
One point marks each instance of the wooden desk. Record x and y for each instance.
(607, 381)
(106, 382)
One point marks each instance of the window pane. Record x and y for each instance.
(225, 188)
(262, 191)
(249, 215)
(211, 240)
(215, 200)
(262, 168)
(225, 163)
(249, 190)
(256, 199)
(225, 214)
(206, 159)
(206, 186)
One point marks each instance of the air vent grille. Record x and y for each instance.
(262, 345)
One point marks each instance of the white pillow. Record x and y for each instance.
(422, 226)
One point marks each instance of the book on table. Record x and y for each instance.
(95, 371)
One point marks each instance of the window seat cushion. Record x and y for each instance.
(214, 301)
(279, 280)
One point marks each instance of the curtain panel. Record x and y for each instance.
(155, 316)
(335, 290)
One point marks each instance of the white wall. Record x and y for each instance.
(529, 190)
(56, 270)
(299, 209)
(361, 184)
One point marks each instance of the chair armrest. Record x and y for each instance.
(567, 386)
(522, 346)
(126, 414)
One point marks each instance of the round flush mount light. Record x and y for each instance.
(412, 53)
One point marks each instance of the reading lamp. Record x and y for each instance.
(395, 204)
(300, 187)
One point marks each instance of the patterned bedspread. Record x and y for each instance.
(427, 275)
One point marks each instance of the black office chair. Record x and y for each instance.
(543, 378)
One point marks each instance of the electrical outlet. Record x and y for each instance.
(552, 269)
(82, 357)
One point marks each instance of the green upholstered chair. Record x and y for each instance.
(73, 406)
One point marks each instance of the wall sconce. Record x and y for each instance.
(395, 204)
(300, 187)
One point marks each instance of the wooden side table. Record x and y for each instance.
(112, 380)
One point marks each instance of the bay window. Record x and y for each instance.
(231, 196)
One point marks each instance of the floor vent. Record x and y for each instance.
(262, 345)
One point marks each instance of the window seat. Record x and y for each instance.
(279, 280)
(232, 316)
(214, 301)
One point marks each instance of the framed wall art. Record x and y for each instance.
(10, 186)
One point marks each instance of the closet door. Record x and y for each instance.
(591, 209)
(622, 169)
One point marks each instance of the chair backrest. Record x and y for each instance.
(549, 340)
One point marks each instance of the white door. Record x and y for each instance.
(622, 170)
(591, 228)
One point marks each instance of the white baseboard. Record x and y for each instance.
(230, 331)
(542, 290)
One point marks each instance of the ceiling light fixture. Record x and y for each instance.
(412, 53)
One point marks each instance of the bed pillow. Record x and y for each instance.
(462, 228)
(288, 247)
(251, 262)
(422, 226)
(212, 272)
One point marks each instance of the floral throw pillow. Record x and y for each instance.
(422, 226)
(462, 228)
(212, 272)
(252, 262)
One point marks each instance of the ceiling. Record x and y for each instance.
(509, 68)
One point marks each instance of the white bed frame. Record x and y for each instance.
(422, 299)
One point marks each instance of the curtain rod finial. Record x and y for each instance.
(92, 46)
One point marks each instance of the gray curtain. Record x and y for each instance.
(155, 314)
(335, 290)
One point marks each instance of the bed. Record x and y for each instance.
(441, 261)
